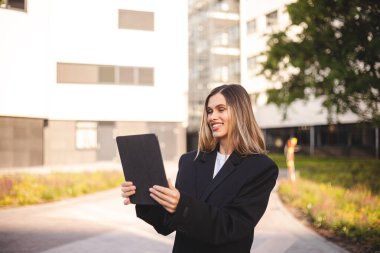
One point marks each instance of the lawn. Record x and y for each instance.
(25, 189)
(346, 172)
(340, 196)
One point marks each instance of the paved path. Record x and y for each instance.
(280, 232)
(99, 223)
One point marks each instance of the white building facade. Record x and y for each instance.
(76, 74)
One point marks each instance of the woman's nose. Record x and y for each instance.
(213, 115)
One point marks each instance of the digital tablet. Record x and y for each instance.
(142, 164)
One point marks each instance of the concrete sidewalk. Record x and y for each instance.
(280, 232)
(63, 168)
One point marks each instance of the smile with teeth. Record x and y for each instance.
(216, 126)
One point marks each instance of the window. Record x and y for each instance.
(220, 74)
(104, 74)
(76, 73)
(253, 65)
(234, 67)
(136, 20)
(13, 4)
(234, 33)
(145, 76)
(86, 135)
(272, 19)
(251, 26)
(127, 75)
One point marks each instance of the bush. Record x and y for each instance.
(340, 195)
(24, 189)
(351, 213)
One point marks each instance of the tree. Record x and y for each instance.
(331, 50)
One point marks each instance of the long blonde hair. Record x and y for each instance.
(244, 134)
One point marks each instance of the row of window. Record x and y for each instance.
(271, 22)
(128, 19)
(104, 74)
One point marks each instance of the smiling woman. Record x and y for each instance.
(222, 188)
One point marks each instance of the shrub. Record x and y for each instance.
(351, 213)
(24, 189)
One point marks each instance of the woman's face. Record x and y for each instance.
(217, 116)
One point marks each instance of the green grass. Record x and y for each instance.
(345, 172)
(351, 213)
(340, 195)
(25, 189)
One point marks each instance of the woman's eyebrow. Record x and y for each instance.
(219, 105)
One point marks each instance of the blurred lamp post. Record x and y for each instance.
(290, 148)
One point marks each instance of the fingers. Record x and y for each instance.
(168, 206)
(167, 197)
(126, 183)
(165, 194)
(167, 191)
(127, 190)
(128, 194)
(127, 186)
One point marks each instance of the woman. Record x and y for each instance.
(222, 189)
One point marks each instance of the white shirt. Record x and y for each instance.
(219, 162)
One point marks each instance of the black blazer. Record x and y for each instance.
(216, 215)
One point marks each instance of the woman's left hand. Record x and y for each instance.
(166, 197)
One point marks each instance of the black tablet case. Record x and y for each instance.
(142, 164)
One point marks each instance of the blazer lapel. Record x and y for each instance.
(225, 171)
(204, 171)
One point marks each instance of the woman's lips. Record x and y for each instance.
(215, 127)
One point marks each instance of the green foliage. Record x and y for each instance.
(25, 189)
(340, 195)
(354, 214)
(346, 172)
(331, 50)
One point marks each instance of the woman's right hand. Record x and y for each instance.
(127, 190)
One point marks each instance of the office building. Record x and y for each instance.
(76, 74)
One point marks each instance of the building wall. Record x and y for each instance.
(21, 142)
(51, 32)
(24, 61)
(61, 148)
(44, 36)
(92, 36)
(255, 41)
(60, 145)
